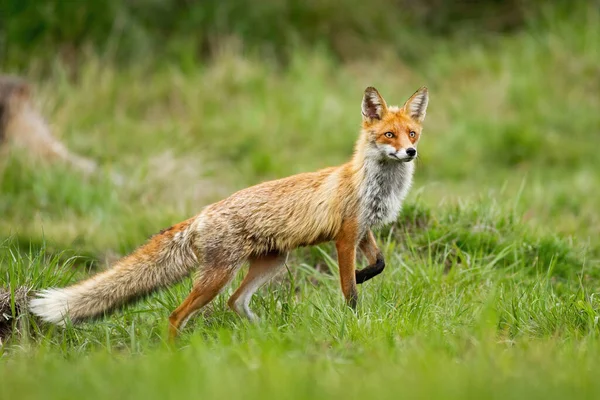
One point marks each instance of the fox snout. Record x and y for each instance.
(404, 155)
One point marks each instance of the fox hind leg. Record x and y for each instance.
(208, 285)
(261, 270)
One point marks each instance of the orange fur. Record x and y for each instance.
(261, 224)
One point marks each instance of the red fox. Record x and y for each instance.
(22, 126)
(262, 223)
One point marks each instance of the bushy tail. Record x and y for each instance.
(167, 258)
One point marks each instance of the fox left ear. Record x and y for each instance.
(416, 106)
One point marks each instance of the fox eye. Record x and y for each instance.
(412, 134)
(389, 135)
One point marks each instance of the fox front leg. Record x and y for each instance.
(345, 244)
(369, 248)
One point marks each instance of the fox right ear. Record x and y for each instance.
(373, 105)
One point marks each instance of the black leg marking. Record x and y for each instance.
(363, 275)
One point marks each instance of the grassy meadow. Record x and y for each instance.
(493, 267)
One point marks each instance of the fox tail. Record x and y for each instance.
(165, 259)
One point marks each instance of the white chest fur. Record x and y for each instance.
(383, 189)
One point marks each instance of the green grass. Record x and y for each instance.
(491, 289)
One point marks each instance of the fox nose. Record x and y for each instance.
(411, 151)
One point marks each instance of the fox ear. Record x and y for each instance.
(373, 105)
(416, 106)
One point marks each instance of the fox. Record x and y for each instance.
(261, 224)
(22, 126)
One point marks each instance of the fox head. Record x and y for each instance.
(14, 92)
(393, 133)
(14, 96)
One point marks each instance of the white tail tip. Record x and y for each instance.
(51, 305)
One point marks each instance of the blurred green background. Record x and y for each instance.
(191, 100)
(188, 29)
(238, 92)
